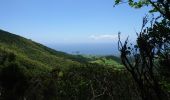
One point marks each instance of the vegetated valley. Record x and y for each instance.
(31, 71)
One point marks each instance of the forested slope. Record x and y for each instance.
(31, 71)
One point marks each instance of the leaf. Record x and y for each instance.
(153, 10)
(117, 2)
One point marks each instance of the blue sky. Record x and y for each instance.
(70, 21)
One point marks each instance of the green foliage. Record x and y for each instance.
(107, 61)
(134, 3)
(30, 50)
(160, 6)
(152, 45)
(13, 80)
(31, 71)
(95, 82)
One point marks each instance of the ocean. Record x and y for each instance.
(87, 48)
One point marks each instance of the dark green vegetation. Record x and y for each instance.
(148, 61)
(31, 71)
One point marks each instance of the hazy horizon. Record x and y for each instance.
(86, 26)
(70, 21)
(86, 48)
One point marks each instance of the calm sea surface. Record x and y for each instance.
(87, 48)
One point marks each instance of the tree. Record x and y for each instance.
(13, 81)
(140, 60)
(161, 6)
(153, 44)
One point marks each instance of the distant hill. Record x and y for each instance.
(31, 53)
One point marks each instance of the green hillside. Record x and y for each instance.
(30, 51)
(31, 71)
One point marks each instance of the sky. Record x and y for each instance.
(70, 21)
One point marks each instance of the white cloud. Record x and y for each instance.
(104, 37)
